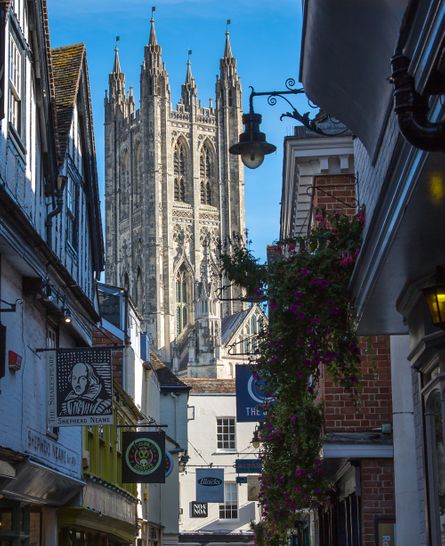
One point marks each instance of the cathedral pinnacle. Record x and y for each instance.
(117, 64)
(152, 40)
(228, 48)
(189, 86)
(188, 75)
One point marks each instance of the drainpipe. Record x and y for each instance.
(60, 186)
(412, 110)
(411, 107)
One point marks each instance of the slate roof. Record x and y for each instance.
(167, 379)
(67, 65)
(230, 324)
(205, 385)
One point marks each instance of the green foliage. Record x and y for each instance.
(311, 327)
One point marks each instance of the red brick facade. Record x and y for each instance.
(335, 193)
(377, 499)
(374, 405)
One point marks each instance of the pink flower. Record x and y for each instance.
(346, 260)
(361, 216)
(300, 472)
(293, 419)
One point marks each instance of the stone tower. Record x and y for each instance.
(172, 192)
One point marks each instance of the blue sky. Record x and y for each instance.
(265, 38)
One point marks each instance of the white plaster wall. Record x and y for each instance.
(174, 414)
(203, 451)
(23, 394)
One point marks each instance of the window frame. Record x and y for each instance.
(436, 385)
(226, 440)
(229, 509)
(72, 212)
(16, 86)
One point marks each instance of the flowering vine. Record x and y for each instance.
(311, 328)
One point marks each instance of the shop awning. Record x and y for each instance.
(39, 484)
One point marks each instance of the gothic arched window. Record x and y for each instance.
(124, 186)
(207, 175)
(180, 171)
(138, 175)
(183, 300)
(139, 290)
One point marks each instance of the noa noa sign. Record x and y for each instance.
(199, 509)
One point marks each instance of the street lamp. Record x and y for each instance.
(252, 145)
(435, 298)
(255, 439)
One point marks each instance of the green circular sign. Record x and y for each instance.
(143, 456)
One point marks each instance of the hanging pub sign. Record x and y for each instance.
(80, 387)
(209, 485)
(250, 395)
(143, 459)
(168, 464)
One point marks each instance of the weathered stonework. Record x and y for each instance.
(172, 192)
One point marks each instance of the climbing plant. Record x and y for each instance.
(311, 329)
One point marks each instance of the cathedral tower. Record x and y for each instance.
(172, 192)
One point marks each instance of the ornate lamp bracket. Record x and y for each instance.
(304, 119)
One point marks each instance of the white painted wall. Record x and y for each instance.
(174, 414)
(203, 451)
(23, 394)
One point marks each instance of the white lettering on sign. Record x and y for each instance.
(52, 452)
(199, 510)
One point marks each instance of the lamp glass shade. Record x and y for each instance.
(435, 299)
(67, 316)
(252, 160)
(256, 439)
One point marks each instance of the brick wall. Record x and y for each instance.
(377, 500)
(106, 339)
(374, 405)
(335, 193)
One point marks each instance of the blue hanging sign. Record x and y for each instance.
(248, 466)
(249, 395)
(209, 485)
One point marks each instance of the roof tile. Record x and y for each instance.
(67, 65)
(206, 385)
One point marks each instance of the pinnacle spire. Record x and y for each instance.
(152, 40)
(228, 48)
(188, 75)
(117, 64)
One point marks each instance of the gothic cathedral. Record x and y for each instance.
(172, 192)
